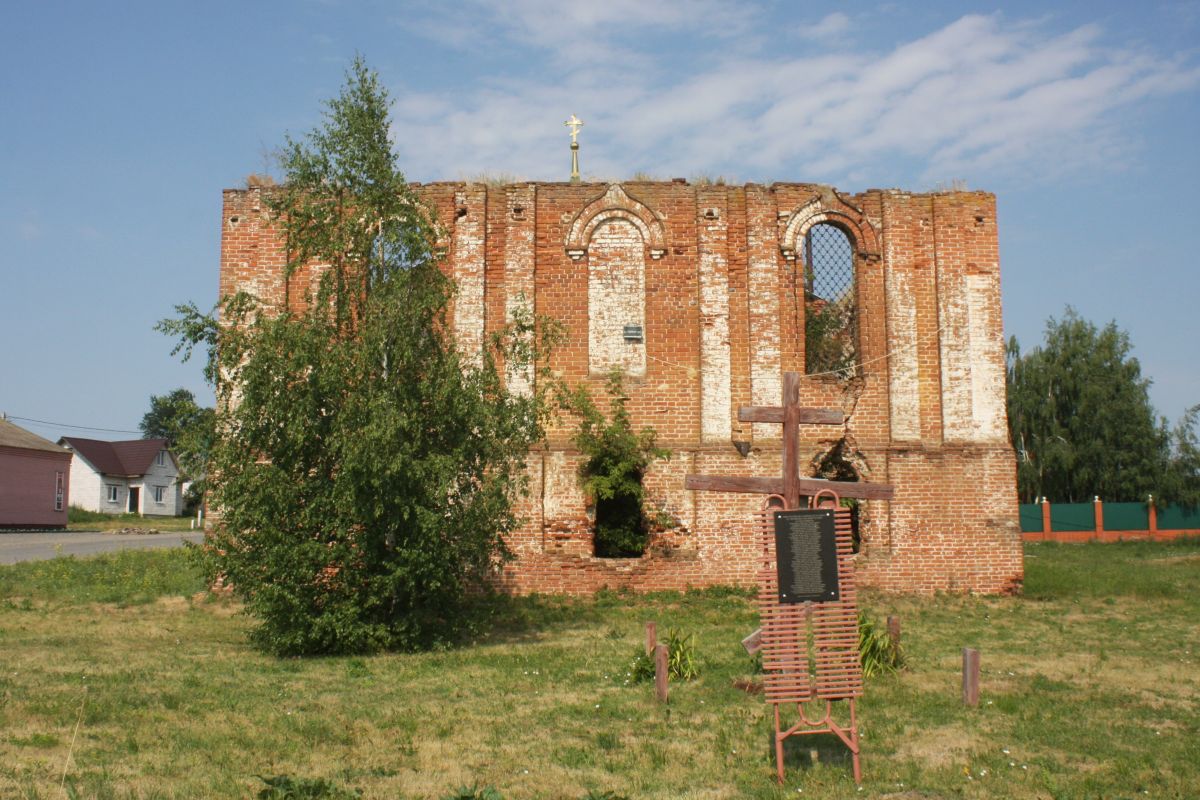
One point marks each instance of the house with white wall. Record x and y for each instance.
(140, 476)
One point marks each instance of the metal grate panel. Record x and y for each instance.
(830, 308)
(835, 672)
(828, 264)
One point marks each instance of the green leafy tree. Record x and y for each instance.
(1080, 417)
(188, 426)
(1183, 484)
(617, 459)
(364, 470)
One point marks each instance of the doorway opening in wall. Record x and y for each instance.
(842, 462)
(620, 530)
(830, 306)
(133, 499)
(616, 457)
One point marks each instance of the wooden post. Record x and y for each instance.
(651, 637)
(1153, 512)
(661, 672)
(893, 628)
(1099, 512)
(970, 681)
(791, 443)
(1045, 519)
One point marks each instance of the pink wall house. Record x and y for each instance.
(35, 477)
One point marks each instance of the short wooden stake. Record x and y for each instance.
(660, 672)
(651, 637)
(970, 680)
(893, 628)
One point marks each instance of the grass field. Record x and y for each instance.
(82, 520)
(117, 682)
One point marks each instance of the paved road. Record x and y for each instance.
(16, 547)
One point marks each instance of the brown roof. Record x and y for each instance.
(130, 458)
(14, 436)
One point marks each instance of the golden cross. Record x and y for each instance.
(574, 124)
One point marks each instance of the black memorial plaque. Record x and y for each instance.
(806, 556)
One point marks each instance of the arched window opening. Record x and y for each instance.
(830, 308)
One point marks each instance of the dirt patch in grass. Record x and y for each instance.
(1183, 558)
(939, 746)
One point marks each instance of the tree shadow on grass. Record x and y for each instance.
(504, 618)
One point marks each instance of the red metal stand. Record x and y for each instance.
(835, 673)
(832, 670)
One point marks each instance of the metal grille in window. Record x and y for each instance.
(830, 311)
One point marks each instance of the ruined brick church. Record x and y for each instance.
(887, 302)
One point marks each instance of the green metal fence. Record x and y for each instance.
(1176, 518)
(1127, 517)
(1117, 517)
(1031, 518)
(1073, 517)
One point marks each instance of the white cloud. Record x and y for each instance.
(577, 34)
(831, 26)
(980, 94)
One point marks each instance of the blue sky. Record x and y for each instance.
(123, 122)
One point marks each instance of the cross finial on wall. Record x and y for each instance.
(574, 123)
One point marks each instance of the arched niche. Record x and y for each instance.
(613, 205)
(829, 208)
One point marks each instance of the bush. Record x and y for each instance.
(878, 654)
(77, 514)
(682, 663)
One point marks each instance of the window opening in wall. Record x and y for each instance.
(58, 491)
(162, 457)
(159, 492)
(112, 493)
(830, 309)
(842, 463)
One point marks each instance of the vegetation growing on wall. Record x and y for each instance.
(829, 332)
(611, 477)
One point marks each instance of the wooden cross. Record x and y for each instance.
(791, 485)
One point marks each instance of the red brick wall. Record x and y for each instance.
(926, 413)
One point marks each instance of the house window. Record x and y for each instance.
(58, 491)
(162, 457)
(159, 491)
(112, 493)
